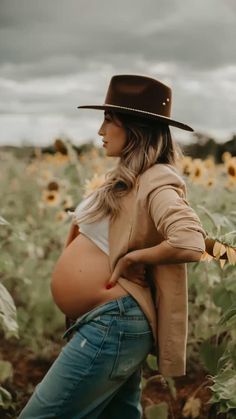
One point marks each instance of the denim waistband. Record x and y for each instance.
(119, 305)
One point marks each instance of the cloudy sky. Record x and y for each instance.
(58, 54)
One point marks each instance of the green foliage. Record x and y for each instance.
(224, 390)
(152, 362)
(6, 371)
(8, 318)
(5, 398)
(224, 395)
(32, 236)
(210, 354)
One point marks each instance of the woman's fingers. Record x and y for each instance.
(128, 270)
(137, 270)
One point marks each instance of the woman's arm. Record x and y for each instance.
(163, 254)
(178, 224)
(73, 233)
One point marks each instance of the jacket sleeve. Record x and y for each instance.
(176, 220)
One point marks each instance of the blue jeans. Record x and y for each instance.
(98, 372)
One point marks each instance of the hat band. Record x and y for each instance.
(135, 109)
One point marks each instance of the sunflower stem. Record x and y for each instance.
(230, 232)
(210, 216)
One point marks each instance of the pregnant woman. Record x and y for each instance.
(121, 279)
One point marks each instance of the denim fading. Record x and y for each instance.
(98, 372)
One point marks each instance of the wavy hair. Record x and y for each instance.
(148, 142)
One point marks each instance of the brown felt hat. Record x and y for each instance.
(139, 95)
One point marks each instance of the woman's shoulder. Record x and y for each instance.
(161, 174)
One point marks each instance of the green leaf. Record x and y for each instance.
(210, 355)
(143, 382)
(171, 385)
(6, 371)
(8, 316)
(3, 221)
(152, 362)
(5, 398)
(223, 298)
(228, 314)
(224, 386)
(157, 411)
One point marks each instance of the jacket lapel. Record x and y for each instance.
(120, 229)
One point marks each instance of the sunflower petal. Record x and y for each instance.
(217, 249)
(222, 249)
(231, 253)
(206, 257)
(222, 262)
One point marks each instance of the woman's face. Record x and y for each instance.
(114, 135)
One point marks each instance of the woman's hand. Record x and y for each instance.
(133, 271)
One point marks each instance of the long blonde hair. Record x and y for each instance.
(148, 142)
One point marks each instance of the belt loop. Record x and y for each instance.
(121, 306)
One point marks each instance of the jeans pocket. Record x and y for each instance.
(101, 322)
(132, 350)
(95, 330)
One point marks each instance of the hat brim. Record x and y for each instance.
(144, 114)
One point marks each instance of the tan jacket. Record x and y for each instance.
(156, 210)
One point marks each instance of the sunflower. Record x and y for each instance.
(60, 146)
(231, 253)
(226, 156)
(185, 165)
(49, 158)
(206, 257)
(218, 251)
(210, 182)
(231, 168)
(60, 158)
(53, 186)
(51, 198)
(209, 163)
(198, 171)
(61, 216)
(92, 184)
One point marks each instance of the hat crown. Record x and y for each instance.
(140, 93)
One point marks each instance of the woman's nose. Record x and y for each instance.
(101, 130)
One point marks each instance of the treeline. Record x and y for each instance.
(205, 146)
(202, 147)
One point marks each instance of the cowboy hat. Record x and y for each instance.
(139, 95)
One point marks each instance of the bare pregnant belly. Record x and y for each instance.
(80, 276)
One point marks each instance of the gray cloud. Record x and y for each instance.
(56, 55)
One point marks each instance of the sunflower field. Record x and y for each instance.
(38, 192)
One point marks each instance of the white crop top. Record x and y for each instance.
(97, 231)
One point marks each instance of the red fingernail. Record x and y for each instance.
(108, 286)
